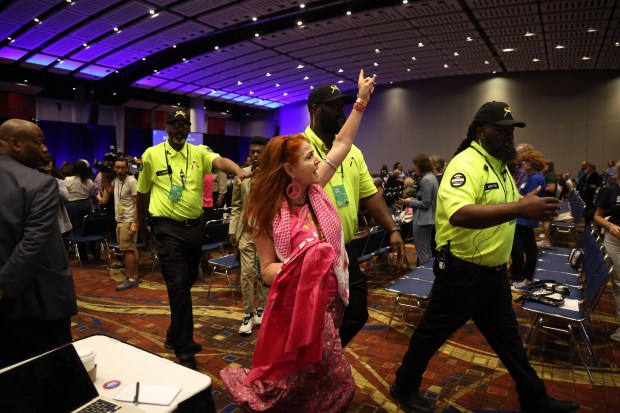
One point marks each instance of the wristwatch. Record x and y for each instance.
(394, 229)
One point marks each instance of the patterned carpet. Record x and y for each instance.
(464, 376)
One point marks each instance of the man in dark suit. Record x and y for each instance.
(37, 296)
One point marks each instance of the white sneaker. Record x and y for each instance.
(616, 336)
(246, 325)
(258, 318)
(520, 286)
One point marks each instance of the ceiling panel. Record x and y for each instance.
(330, 45)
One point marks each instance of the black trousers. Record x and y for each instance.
(23, 338)
(524, 253)
(356, 313)
(461, 292)
(179, 248)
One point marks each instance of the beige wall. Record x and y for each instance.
(570, 116)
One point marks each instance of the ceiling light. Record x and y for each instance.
(268, 74)
(152, 11)
(178, 103)
(155, 15)
(299, 22)
(413, 58)
(116, 29)
(69, 1)
(456, 53)
(535, 60)
(405, 1)
(377, 50)
(508, 49)
(408, 70)
(529, 34)
(617, 43)
(341, 81)
(114, 93)
(256, 34)
(494, 72)
(391, 82)
(116, 71)
(348, 12)
(277, 85)
(60, 60)
(85, 45)
(217, 48)
(469, 39)
(144, 58)
(239, 82)
(300, 66)
(285, 94)
(251, 92)
(302, 6)
(446, 66)
(560, 46)
(306, 78)
(254, 19)
(311, 87)
(340, 70)
(591, 30)
(174, 46)
(420, 44)
(375, 64)
(9, 38)
(184, 59)
(73, 88)
(486, 62)
(586, 58)
(37, 20)
(154, 70)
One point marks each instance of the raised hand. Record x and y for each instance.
(365, 86)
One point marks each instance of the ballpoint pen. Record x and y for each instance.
(135, 397)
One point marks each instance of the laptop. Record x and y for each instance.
(55, 382)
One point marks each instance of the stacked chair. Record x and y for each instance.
(586, 288)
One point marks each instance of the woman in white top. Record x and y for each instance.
(80, 188)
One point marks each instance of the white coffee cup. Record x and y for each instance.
(87, 355)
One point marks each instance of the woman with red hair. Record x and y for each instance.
(298, 363)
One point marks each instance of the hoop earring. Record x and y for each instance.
(293, 190)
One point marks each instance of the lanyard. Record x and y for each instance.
(169, 168)
(120, 190)
(316, 150)
(493, 169)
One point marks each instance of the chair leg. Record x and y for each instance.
(530, 339)
(391, 317)
(580, 351)
(211, 282)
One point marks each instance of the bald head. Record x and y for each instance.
(23, 141)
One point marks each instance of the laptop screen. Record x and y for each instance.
(55, 382)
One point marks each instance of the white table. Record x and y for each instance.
(129, 364)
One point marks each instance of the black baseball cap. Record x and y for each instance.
(327, 93)
(178, 115)
(498, 113)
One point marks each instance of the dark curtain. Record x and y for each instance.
(235, 148)
(73, 141)
(137, 140)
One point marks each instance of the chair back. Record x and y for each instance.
(95, 225)
(375, 240)
(216, 231)
(598, 280)
(357, 245)
(577, 206)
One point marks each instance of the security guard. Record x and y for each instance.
(170, 185)
(350, 187)
(477, 206)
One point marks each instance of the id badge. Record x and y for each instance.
(176, 191)
(340, 194)
(119, 208)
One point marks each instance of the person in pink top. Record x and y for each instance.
(298, 363)
(207, 194)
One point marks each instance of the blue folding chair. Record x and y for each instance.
(411, 294)
(94, 230)
(224, 266)
(569, 319)
(577, 209)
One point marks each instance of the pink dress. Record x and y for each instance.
(317, 378)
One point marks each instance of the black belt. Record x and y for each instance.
(170, 221)
(475, 267)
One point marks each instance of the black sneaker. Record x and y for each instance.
(190, 363)
(412, 401)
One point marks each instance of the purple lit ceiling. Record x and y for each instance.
(215, 50)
